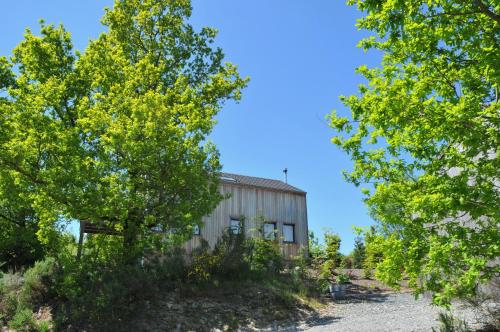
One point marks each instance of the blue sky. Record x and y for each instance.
(300, 56)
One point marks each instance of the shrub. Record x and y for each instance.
(358, 254)
(373, 252)
(235, 258)
(43, 326)
(203, 264)
(20, 294)
(265, 256)
(23, 321)
(327, 270)
(316, 251)
(347, 262)
(19, 245)
(102, 295)
(228, 259)
(300, 264)
(171, 267)
(332, 246)
(343, 278)
(451, 324)
(38, 283)
(231, 252)
(10, 286)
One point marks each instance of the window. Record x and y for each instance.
(196, 230)
(269, 230)
(235, 226)
(288, 233)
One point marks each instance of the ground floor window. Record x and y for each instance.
(196, 230)
(235, 226)
(269, 230)
(288, 233)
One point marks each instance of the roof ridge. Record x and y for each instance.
(256, 177)
(259, 182)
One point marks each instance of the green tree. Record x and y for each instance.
(424, 133)
(315, 249)
(358, 253)
(116, 134)
(374, 251)
(332, 246)
(332, 256)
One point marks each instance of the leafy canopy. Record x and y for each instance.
(116, 134)
(423, 132)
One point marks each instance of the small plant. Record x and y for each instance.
(43, 326)
(23, 321)
(367, 273)
(343, 278)
(451, 324)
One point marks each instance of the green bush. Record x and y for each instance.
(235, 258)
(10, 286)
(358, 254)
(347, 262)
(451, 324)
(23, 321)
(21, 294)
(373, 252)
(231, 252)
(38, 283)
(101, 295)
(343, 278)
(327, 270)
(19, 245)
(332, 246)
(228, 259)
(170, 267)
(203, 264)
(43, 326)
(300, 264)
(265, 256)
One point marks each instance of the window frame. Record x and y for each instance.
(274, 233)
(293, 233)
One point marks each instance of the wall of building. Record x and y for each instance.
(252, 204)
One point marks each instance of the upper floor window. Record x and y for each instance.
(235, 226)
(288, 233)
(269, 230)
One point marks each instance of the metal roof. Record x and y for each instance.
(259, 182)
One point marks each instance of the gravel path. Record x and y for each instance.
(391, 312)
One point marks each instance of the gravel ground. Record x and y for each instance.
(390, 312)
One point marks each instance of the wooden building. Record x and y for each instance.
(269, 208)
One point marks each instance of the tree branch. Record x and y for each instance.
(486, 10)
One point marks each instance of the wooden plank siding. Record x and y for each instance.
(250, 203)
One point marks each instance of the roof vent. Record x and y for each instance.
(227, 178)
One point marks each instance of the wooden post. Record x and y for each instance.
(80, 240)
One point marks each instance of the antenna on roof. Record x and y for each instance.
(286, 174)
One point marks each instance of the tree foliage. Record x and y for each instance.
(115, 134)
(358, 253)
(332, 257)
(423, 132)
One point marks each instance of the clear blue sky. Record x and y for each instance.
(300, 56)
